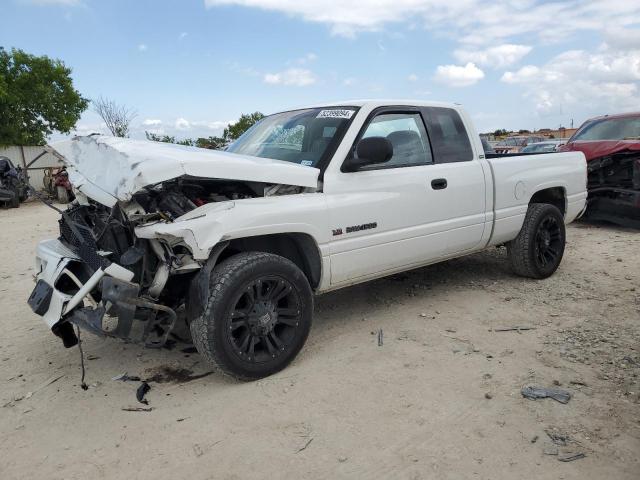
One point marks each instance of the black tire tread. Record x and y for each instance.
(202, 330)
(518, 249)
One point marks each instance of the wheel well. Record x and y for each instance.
(300, 248)
(554, 196)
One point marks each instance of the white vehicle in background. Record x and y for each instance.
(306, 201)
(543, 147)
(516, 143)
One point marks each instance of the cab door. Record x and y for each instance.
(407, 211)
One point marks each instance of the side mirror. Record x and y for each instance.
(369, 151)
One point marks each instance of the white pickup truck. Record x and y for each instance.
(237, 243)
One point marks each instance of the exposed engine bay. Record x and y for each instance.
(143, 308)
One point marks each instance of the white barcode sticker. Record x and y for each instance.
(335, 113)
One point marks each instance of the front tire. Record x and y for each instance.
(538, 249)
(257, 317)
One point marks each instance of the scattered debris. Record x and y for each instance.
(304, 447)
(551, 450)
(142, 391)
(123, 377)
(488, 396)
(534, 439)
(189, 350)
(342, 459)
(197, 449)
(83, 385)
(570, 456)
(558, 438)
(513, 329)
(49, 382)
(92, 357)
(380, 338)
(137, 409)
(578, 382)
(534, 393)
(168, 374)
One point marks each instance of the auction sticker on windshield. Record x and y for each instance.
(335, 113)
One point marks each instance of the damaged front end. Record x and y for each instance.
(614, 188)
(611, 146)
(110, 272)
(99, 276)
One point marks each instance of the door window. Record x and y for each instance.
(407, 135)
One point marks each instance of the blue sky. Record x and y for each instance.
(188, 67)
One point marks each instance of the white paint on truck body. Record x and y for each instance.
(484, 203)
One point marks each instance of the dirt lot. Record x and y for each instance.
(440, 399)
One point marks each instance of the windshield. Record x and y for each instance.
(305, 137)
(610, 129)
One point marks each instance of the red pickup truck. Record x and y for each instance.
(611, 145)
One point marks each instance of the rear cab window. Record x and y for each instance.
(449, 139)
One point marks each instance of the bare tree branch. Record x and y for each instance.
(118, 118)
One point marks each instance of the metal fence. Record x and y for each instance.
(24, 157)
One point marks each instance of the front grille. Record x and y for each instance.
(80, 238)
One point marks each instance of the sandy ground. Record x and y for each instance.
(440, 399)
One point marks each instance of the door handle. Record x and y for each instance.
(439, 183)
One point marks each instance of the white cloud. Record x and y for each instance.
(308, 58)
(470, 21)
(607, 80)
(142, 47)
(202, 126)
(297, 77)
(152, 122)
(497, 57)
(412, 77)
(182, 124)
(349, 82)
(458, 76)
(182, 35)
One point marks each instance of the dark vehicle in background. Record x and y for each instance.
(515, 144)
(14, 185)
(611, 145)
(543, 147)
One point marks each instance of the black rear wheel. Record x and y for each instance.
(257, 317)
(538, 249)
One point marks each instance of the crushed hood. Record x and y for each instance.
(109, 169)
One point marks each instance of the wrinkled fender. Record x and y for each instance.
(206, 226)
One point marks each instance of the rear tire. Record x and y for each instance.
(538, 249)
(257, 317)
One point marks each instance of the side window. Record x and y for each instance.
(449, 139)
(407, 134)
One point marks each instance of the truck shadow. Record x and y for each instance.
(179, 362)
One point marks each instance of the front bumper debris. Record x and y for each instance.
(105, 302)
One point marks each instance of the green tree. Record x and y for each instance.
(37, 97)
(234, 130)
